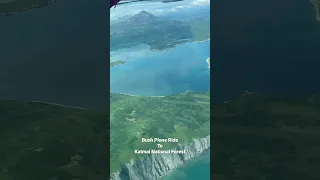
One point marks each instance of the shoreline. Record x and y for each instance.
(208, 62)
(136, 95)
(167, 49)
(185, 164)
(163, 50)
(60, 105)
(26, 8)
(195, 152)
(202, 41)
(158, 96)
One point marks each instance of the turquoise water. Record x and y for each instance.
(165, 73)
(161, 73)
(198, 169)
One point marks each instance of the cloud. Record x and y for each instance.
(192, 4)
(156, 7)
(200, 2)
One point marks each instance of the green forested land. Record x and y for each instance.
(200, 28)
(184, 116)
(46, 141)
(40, 142)
(254, 136)
(266, 138)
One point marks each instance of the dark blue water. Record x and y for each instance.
(57, 53)
(271, 47)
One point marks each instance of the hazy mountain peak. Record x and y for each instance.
(144, 17)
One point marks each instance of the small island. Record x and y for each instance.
(116, 63)
(208, 61)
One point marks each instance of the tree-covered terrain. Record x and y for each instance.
(41, 141)
(254, 136)
(257, 137)
(185, 116)
(47, 141)
(200, 28)
(145, 28)
(159, 34)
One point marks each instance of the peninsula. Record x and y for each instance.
(208, 61)
(9, 7)
(116, 63)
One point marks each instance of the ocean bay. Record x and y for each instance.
(161, 73)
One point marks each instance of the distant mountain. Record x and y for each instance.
(142, 17)
(145, 28)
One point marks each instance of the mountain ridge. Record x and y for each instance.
(146, 28)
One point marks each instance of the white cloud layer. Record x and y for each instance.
(156, 8)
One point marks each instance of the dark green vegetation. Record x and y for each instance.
(45, 142)
(115, 63)
(264, 138)
(200, 28)
(184, 116)
(8, 7)
(145, 28)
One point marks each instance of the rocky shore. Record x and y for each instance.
(154, 166)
